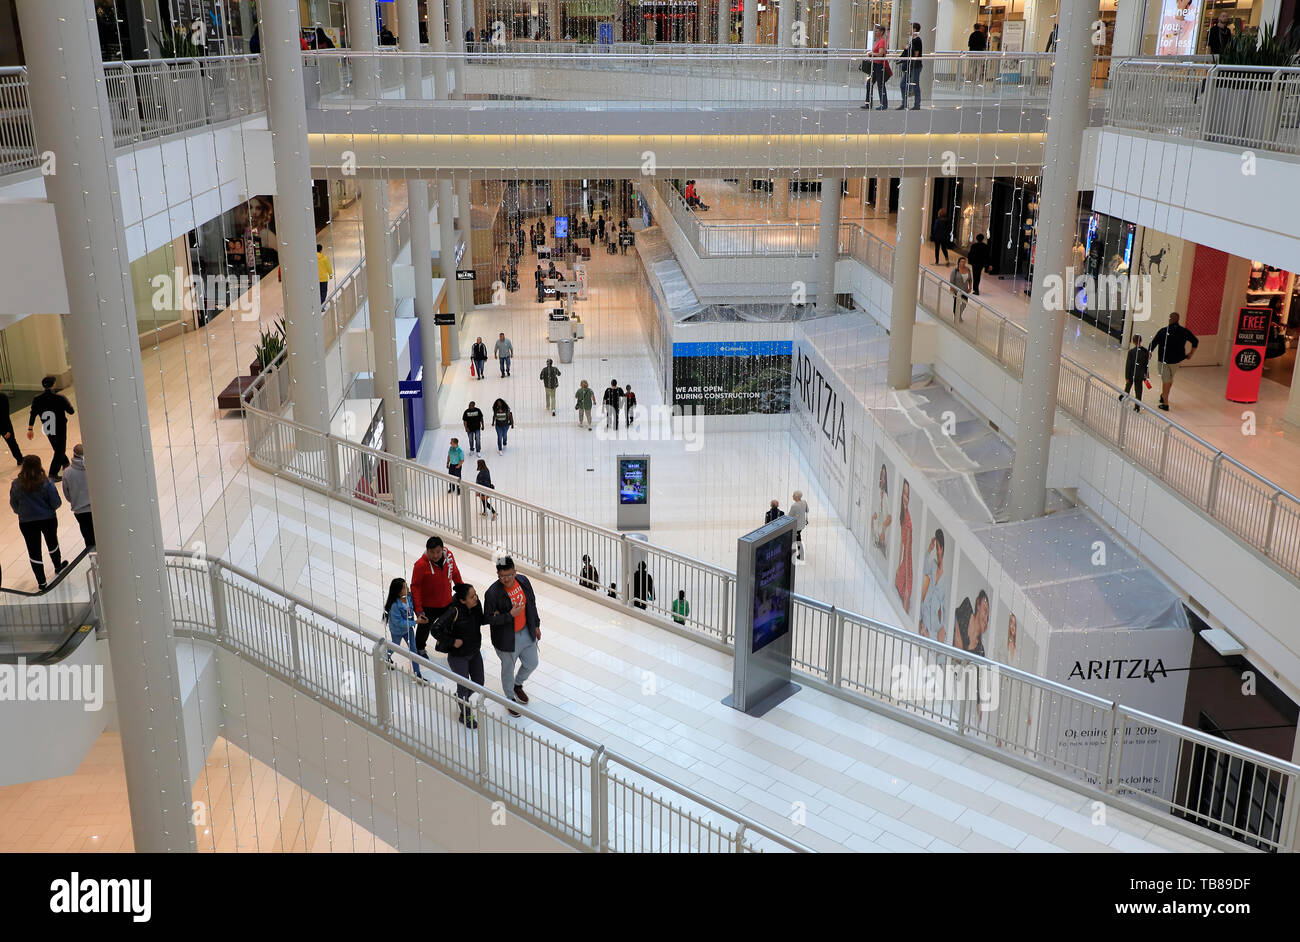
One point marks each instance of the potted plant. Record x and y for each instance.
(1246, 104)
(269, 346)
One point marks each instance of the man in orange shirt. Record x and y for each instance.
(510, 607)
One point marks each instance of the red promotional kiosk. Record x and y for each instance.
(1249, 343)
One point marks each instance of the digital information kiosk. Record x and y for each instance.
(764, 618)
(634, 492)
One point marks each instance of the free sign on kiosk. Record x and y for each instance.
(1249, 344)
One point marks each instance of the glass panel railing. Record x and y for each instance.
(43, 626)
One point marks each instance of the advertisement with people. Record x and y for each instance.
(773, 582)
(883, 513)
(934, 602)
(1177, 31)
(907, 535)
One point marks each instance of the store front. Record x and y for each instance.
(1108, 246)
(1182, 27)
(669, 22)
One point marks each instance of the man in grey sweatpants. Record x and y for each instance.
(510, 607)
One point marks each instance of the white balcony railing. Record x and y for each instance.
(1241, 106)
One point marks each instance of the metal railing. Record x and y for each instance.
(564, 782)
(851, 654)
(1241, 106)
(147, 99)
(544, 73)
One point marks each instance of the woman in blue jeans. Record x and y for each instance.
(400, 615)
(503, 421)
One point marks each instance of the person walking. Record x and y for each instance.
(478, 354)
(911, 69)
(76, 490)
(510, 606)
(880, 73)
(484, 479)
(402, 619)
(460, 633)
(455, 463)
(434, 574)
(550, 377)
(799, 510)
(324, 272)
(503, 420)
(35, 499)
(1136, 365)
(773, 512)
(978, 257)
(1170, 347)
(472, 419)
(503, 350)
(961, 282)
(589, 576)
(643, 586)
(584, 398)
(7, 430)
(1219, 35)
(53, 410)
(629, 398)
(941, 234)
(681, 607)
(612, 399)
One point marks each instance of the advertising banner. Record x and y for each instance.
(1249, 343)
(1178, 23)
(725, 378)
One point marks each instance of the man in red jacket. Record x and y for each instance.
(432, 580)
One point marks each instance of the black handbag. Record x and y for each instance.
(444, 642)
(864, 66)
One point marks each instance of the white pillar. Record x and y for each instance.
(749, 23)
(839, 25)
(828, 244)
(925, 12)
(1127, 40)
(70, 104)
(882, 195)
(465, 222)
(785, 22)
(907, 270)
(724, 22)
(780, 198)
(296, 222)
(456, 16)
(1058, 205)
(447, 262)
(438, 44)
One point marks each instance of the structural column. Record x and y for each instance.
(925, 12)
(378, 256)
(907, 271)
(456, 16)
(724, 22)
(465, 223)
(1058, 205)
(882, 195)
(447, 262)
(438, 44)
(781, 198)
(839, 25)
(828, 244)
(296, 222)
(785, 22)
(70, 104)
(749, 23)
(417, 198)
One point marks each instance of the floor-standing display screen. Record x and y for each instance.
(773, 581)
(561, 227)
(633, 479)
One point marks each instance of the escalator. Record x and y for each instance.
(46, 627)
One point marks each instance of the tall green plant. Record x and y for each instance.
(271, 344)
(1266, 49)
(177, 45)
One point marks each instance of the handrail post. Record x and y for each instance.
(1213, 485)
(1116, 748)
(484, 772)
(739, 839)
(541, 540)
(625, 569)
(963, 700)
(727, 614)
(383, 708)
(833, 662)
(295, 641)
(217, 588)
(466, 514)
(1120, 432)
(599, 805)
(1164, 451)
(1002, 336)
(1270, 523)
(332, 475)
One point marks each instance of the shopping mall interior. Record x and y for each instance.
(885, 407)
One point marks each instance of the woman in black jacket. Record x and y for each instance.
(484, 479)
(463, 630)
(643, 586)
